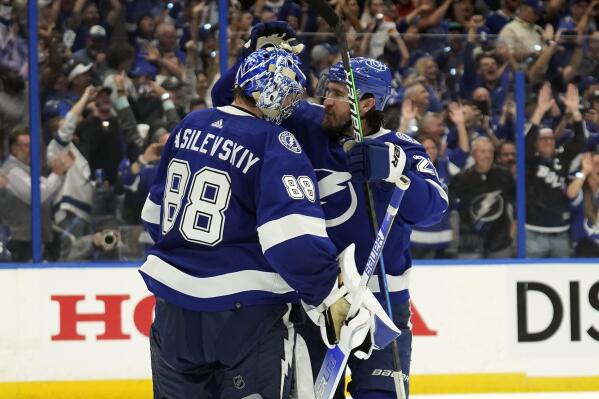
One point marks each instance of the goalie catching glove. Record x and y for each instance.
(370, 328)
(374, 160)
(272, 34)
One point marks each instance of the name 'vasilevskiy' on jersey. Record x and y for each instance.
(229, 150)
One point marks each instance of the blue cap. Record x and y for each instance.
(371, 77)
(536, 4)
(143, 68)
(54, 108)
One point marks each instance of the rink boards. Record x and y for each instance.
(75, 331)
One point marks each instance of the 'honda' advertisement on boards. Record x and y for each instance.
(93, 323)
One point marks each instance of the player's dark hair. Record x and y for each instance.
(239, 94)
(374, 119)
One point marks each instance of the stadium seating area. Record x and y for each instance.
(116, 76)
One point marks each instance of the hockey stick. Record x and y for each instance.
(398, 375)
(336, 358)
(333, 20)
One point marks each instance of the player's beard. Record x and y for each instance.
(335, 130)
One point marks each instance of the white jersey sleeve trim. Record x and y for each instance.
(440, 189)
(395, 283)
(431, 237)
(288, 227)
(150, 212)
(215, 286)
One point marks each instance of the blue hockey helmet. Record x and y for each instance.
(370, 76)
(273, 78)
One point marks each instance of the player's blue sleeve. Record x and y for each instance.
(150, 214)
(426, 199)
(291, 224)
(222, 91)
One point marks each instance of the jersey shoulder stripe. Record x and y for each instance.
(281, 230)
(214, 286)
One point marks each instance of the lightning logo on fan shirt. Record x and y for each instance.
(330, 183)
(487, 207)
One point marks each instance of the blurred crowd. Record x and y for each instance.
(116, 76)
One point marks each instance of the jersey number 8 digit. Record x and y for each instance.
(203, 217)
(300, 188)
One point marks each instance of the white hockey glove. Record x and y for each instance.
(332, 312)
(369, 329)
(364, 335)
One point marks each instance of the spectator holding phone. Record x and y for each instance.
(102, 142)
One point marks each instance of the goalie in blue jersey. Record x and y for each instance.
(381, 159)
(240, 238)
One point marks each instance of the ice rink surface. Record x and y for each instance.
(542, 395)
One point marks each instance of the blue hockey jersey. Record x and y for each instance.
(343, 198)
(344, 202)
(235, 216)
